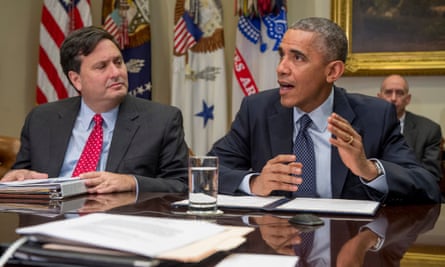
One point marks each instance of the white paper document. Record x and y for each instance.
(146, 236)
(258, 260)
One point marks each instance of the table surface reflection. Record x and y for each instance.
(414, 235)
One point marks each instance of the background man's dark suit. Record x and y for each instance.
(151, 148)
(263, 129)
(424, 136)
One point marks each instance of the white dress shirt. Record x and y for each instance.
(81, 131)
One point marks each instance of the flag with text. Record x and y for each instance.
(258, 36)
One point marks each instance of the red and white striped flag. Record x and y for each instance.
(59, 18)
(186, 34)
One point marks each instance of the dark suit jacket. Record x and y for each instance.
(148, 142)
(424, 136)
(263, 129)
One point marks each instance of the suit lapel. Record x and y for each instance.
(338, 170)
(59, 135)
(126, 127)
(280, 134)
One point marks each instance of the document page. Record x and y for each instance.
(246, 259)
(246, 201)
(145, 236)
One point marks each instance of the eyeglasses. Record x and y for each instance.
(397, 92)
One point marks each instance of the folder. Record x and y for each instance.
(299, 204)
(164, 239)
(51, 188)
(33, 254)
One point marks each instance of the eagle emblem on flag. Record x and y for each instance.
(198, 80)
(129, 23)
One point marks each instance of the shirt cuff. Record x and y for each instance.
(379, 227)
(380, 183)
(137, 186)
(245, 183)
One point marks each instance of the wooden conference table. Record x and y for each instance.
(415, 234)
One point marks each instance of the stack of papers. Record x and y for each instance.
(159, 238)
(51, 188)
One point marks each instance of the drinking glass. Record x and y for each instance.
(203, 185)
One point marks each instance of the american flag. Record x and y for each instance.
(186, 34)
(117, 26)
(59, 18)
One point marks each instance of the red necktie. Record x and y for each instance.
(91, 152)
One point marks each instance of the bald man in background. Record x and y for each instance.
(422, 134)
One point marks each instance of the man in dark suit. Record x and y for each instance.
(359, 151)
(143, 146)
(422, 134)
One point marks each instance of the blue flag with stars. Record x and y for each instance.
(129, 23)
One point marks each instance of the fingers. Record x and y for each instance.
(280, 173)
(22, 174)
(278, 233)
(344, 134)
(282, 158)
(105, 182)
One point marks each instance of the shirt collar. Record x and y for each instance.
(86, 116)
(319, 116)
(402, 119)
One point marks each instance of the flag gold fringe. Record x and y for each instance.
(205, 44)
(140, 36)
(210, 44)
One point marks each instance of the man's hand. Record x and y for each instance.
(104, 202)
(278, 233)
(350, 147)
(353, 252)
(277, 174)
(108, 182)
(23, 174)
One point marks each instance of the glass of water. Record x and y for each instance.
(203, 185)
